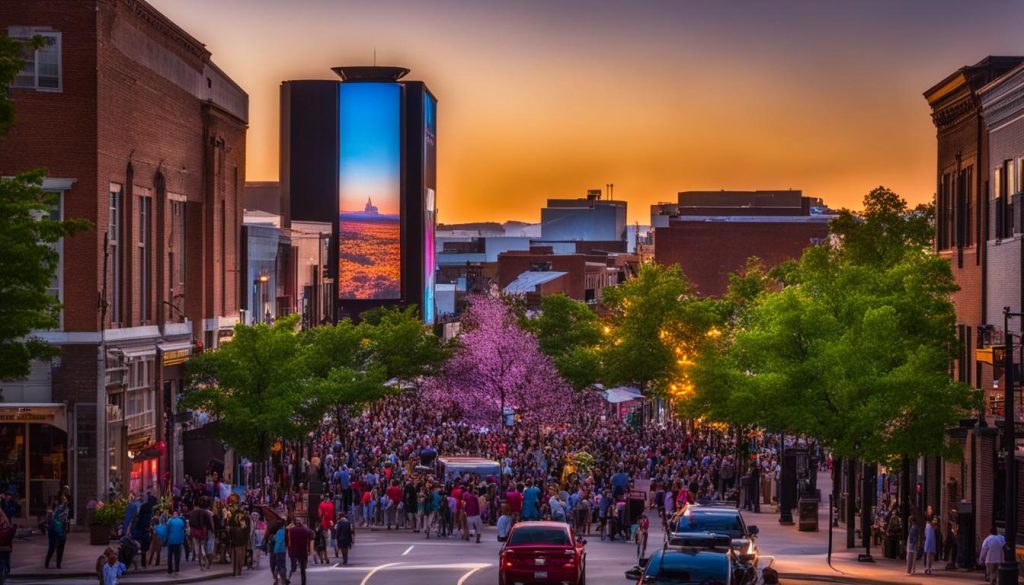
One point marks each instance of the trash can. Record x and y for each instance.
(807, 510)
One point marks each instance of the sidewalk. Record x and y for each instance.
(80, 562)
(803, 555)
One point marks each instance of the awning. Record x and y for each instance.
(622, 394)
(175, 352)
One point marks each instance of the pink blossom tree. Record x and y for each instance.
(498, 365)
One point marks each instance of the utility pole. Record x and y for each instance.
(102, 454)
(1008, 571)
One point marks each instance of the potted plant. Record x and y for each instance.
(105, 518)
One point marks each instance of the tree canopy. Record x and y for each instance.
(569, 332)
(852, 349)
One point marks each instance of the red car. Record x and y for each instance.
(542, 552)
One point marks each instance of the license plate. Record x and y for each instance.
(540, 574)
(538, 561)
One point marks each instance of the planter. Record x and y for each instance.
(99, 534)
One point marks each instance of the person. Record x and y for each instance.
(237, 537)
(344, 536)
(259, 533)
(112, 569)
(175, 540)
(471, 506)
(930, 544)
(504, 523)
(299, 539)
(620, 483)
(604, 509)
(158, 535)
(531, 501)
(141, 526)
(57, 532)
(200, 521)
(913, 538)
(514, 497)
(7, 531)
(991, 554)
(320, 537)
(278, 550)
(134, 503)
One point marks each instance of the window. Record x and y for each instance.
(145, 265)
(1009, 188)
(42, 67)
(176, 257)
(56, 285)
(114, 252)
(944, 223)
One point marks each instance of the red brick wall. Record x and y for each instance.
(708, 252)
(57, 130)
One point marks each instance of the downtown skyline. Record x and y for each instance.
(539, 101)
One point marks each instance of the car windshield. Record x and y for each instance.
(539, 535)
(699, 522)
(674, 567)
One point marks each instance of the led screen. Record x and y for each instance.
(429, 209)
(369, 191)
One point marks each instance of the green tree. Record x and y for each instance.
(28, 238)
(853, 350)
(407, 349)
(258, 387)
(569, 332)
(656, 329)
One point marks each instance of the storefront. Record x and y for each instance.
(33, 454)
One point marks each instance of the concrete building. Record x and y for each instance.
(772, 225)
(143, 136)
(590, 218)
(962, 236)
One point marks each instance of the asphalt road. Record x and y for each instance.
(382, 557)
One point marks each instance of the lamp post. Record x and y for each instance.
(1008, 571)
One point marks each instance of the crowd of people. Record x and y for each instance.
(377, 470)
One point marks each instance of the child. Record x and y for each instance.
(112, 569)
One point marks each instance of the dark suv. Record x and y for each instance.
(694, 522)
(691, 566)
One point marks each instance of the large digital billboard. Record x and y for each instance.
(429, 203)
(369, 191)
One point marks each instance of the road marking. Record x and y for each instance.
(408, 550)
(462, 581)
(366, 579)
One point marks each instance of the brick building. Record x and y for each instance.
(143, 136)
(962, 222)
(1002, 104)
(773, 225)
(578, 275)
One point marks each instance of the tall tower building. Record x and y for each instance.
(360, 154)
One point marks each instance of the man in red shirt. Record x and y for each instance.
(514, 498)
(471, 504)
(394, 493)
(299, 538)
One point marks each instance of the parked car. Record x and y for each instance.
(694, 520)
(542, 552)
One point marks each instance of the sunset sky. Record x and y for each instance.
(549, 98)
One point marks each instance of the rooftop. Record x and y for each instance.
(528, 282)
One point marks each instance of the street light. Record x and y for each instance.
(1008, 570)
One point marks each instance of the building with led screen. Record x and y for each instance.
(361, 154)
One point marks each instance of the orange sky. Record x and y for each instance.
(545, 99)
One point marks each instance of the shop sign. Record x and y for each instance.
(176, 356)
(33, 414)
(139, 442)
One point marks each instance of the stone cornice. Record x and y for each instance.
(164, 26)
(1003, 101)
(954, 111)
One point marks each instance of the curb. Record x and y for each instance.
(126, 579)
(840, 579)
